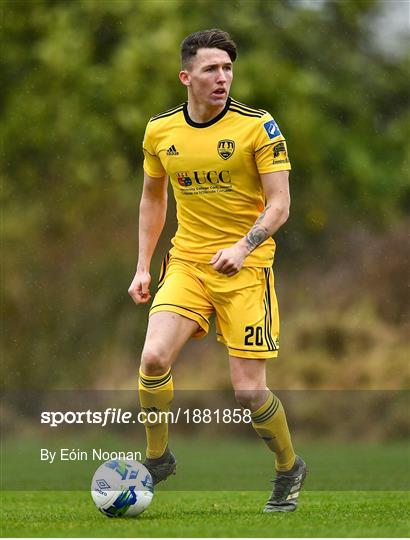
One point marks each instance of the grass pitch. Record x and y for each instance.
(380, 509)
(212, 514)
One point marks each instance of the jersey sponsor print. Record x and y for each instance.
(215, 169)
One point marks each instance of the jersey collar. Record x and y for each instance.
(210, 122)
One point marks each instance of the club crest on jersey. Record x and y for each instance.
(226, 148)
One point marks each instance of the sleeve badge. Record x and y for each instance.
(280, 153)
(272, 129)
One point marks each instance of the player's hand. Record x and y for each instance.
(139, 288)
(230, 260)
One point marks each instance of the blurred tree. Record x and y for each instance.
(80, 80)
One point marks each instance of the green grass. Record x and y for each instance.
(352, 490)
(236, 464)
(219, 514)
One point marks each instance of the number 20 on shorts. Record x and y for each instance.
(253, 336)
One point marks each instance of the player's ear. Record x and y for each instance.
(184, 78)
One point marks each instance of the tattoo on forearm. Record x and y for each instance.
(256, 236)
(258, 233)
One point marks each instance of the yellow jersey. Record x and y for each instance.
(214, 169)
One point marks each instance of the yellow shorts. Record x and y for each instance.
(247, 318)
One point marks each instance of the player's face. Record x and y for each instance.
(209, 77)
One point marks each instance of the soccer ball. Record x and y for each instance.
(122, 488)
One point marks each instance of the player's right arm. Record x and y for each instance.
(153, 209)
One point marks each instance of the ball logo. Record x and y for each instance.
(226, 148)
(103, 484)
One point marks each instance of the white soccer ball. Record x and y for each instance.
(122, 488)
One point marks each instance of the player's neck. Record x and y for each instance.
(202, 112)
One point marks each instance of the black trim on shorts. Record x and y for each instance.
(268, 315)
(163, 271)
(182, 307)
(251, 350)
(266, 321)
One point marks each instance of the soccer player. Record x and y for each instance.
(229, 167)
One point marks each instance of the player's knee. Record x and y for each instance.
(249, 399)
(154, 361)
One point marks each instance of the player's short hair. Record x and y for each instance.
(207, 39)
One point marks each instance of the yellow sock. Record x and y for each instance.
(270, 424)
(156, 394)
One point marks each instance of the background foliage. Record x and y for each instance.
(80, 80)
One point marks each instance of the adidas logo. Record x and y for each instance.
(172, 151)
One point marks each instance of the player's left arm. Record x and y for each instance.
(276, 189)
